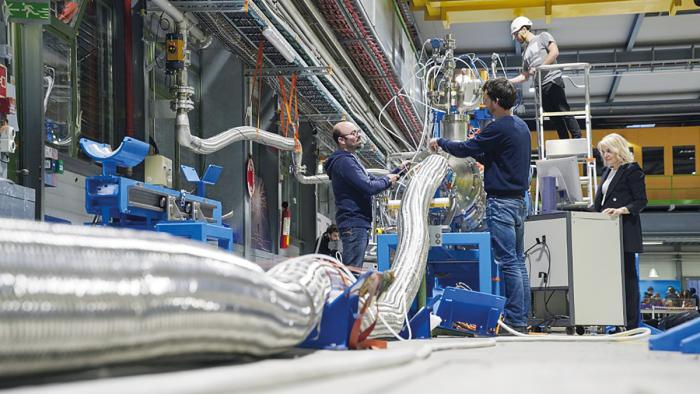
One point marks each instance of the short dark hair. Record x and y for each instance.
(332, 229)
(502, 91)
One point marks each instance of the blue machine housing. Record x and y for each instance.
(124, 202)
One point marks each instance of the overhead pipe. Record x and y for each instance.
(249, 133)
(179, 17)
(80, 297)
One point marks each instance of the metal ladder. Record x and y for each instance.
(589, 181)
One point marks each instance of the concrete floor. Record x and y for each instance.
(408, 367)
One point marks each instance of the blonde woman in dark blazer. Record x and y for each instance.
(622, 192)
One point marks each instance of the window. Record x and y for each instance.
(94, 43)
(58, 90)
(653, 160)
(684, 160)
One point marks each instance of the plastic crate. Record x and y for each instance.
(470, 312)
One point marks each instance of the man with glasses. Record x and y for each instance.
(503, 147)
(353, 188)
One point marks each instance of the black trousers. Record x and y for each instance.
(554, 100)
(631, 291)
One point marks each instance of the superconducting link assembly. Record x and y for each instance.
(412, 251)
(75, 297)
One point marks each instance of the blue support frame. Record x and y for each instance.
(107, 195)
(441, 255)
(199, 231)
(683, 338)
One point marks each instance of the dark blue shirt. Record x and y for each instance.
(353, 189)
(503, 147)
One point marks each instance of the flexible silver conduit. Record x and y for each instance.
(248, 133)
(412, 250)
(75, 297)
(227, 137)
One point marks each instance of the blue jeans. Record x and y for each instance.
(355, 240)
(505, 218)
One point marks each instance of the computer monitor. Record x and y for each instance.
(566, 172)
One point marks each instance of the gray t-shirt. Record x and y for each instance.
(534, 55)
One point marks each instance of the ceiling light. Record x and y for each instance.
(280, 44)
(653, 243)
(653, 273)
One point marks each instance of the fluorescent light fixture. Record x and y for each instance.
(653, 273)
(653, 243)
(641, 126)
(280, 44)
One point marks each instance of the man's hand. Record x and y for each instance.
(393, 178)
(404, 166)
(532, 71)
(433, 145)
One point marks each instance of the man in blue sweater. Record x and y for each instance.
(503, 147)
(353, 188)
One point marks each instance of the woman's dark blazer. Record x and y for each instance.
(627, 189)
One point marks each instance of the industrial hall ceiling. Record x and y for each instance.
(644, 55)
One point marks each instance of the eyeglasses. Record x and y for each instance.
(354, 132)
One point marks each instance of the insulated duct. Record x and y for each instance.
(412, 251)
(248, 133)
(76, 297)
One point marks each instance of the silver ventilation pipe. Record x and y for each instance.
(77, 297)
(409, 264)
(248, 133)
(227, 137)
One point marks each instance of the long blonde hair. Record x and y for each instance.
(618, 145)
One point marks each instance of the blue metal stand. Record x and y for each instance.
(130, 153)
(124, 202)
(211, 175)
(333, 333)
(199, 231)
(685, 338)
(691, 344)
(444, 257)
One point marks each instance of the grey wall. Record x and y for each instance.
(222, 107)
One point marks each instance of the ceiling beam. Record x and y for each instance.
(634, 31)
(631, 39)
(613, 87)
(614, 60)
(466, 11)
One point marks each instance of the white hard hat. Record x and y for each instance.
(518, 24)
